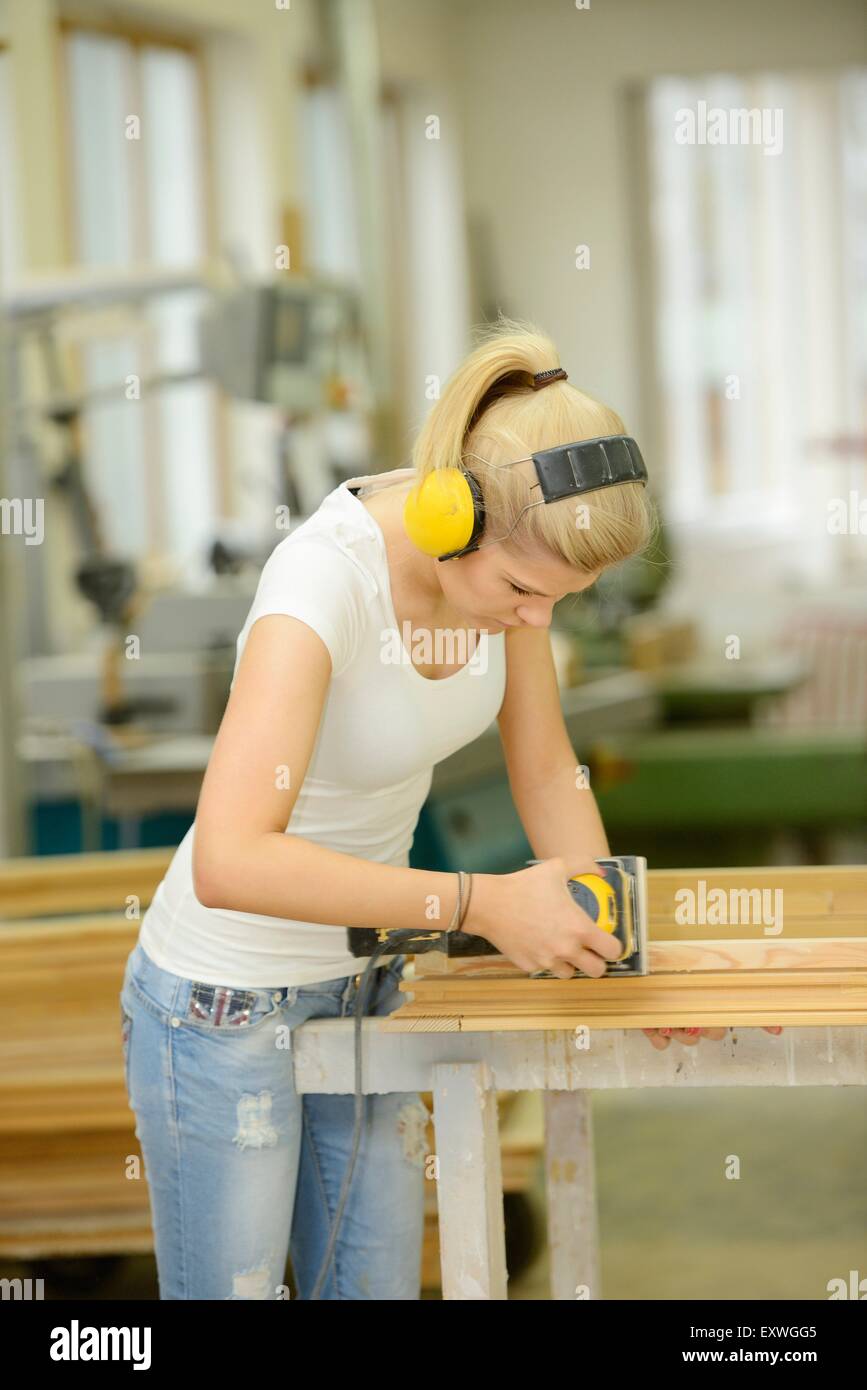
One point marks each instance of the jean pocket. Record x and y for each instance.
(229, 1011)
(388, 996)
(395, 972)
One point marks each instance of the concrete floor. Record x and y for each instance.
(673, 1226)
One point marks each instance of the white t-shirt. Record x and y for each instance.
(383, 728)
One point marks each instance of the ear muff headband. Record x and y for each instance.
(444, 515)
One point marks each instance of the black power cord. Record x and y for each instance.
(403, 937)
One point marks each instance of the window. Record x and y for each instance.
(759, 271)
(418, 212)
(138, 194)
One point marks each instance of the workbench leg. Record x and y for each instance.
(573, 1236)
(469, 1182)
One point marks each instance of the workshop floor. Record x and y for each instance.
(673, 1226)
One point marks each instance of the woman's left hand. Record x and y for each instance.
(661, 1037)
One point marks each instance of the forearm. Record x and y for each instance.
(280, 875)
(561, 818)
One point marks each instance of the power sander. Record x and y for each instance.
(615, 899)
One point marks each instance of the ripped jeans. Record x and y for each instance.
(240, 1168)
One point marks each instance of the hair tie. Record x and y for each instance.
(541, 379)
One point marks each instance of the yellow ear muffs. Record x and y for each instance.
(442, 514)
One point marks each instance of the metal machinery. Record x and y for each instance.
(294, 343)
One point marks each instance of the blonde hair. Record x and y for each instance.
(489, 407)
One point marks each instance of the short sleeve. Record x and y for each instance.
(315, 580)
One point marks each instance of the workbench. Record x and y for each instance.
(464, 1072)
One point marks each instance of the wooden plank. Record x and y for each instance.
(600, 995)
(36, 885)
(821, 879)
(73, 1236)
(814, 900)
(83, 929)
(801, 998)
(803, 953)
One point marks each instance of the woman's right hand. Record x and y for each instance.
(533, 920)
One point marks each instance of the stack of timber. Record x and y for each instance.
(67, 1183)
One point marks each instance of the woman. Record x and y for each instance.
(305, 820)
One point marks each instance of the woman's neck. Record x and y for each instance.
(414, 579)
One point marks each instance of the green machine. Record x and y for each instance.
(685, 797)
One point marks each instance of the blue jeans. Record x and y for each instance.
(240, 1168)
